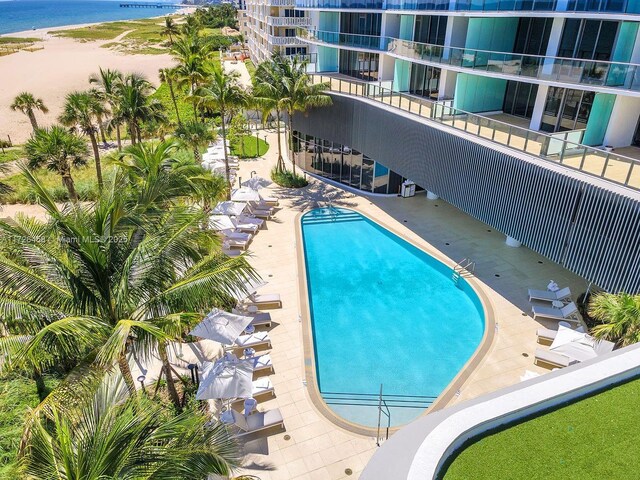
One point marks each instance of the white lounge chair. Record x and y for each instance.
(262, 364)
(568, 312)
(262, 386)
(262, 206)
(259, 213)
(554, 359)
(256, 339)
(245, 219)
(245, 227)
(256, 422)
(228, 233)
(264, 300)
(269, 201)
(260, 319)
(547, 296)
(229, 243)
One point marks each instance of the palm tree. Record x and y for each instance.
(111, 276)
(161, 179)
(224, 95)
(107, 82)
(170, 29)
(111, 436)
(268, 95)
(620, 317)
(58, 150)
(27, 104)
(298, 93)
(166, 75)
(5, 188)
(134, 105)
(195, 135)
(82, 110)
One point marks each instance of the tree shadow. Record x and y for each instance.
(315, 195)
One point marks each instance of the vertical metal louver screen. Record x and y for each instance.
(592, 231)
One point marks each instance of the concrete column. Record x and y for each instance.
(431, 195)
(447, 84)
(385, 68)
(554, 41)
(456, 33)
(390, 25)
(512, 242)
(538, 107)
(622, 122)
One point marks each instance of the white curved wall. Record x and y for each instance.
(419, 450)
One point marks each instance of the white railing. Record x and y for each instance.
(289, 21)
(273, 40)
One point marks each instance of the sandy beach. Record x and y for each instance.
(63, 65)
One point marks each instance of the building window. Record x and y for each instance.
(520, 98)
(425, 80)
(360, 65)
(588, 39)
(566, 109)
(430, 29)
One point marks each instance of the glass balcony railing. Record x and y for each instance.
(558, 149)
(555, 69)
(595, 6)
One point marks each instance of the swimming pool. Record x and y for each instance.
(382, 312)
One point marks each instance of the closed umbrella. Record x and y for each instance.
(221, 326)
(256, 183)
(225, 380)
(229, 208)
(245, 194)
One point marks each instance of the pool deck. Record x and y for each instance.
(317, 448)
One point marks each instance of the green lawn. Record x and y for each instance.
(251, 150)
(11, 154)
(185, 108)
(595, 438)
(17, 394)
(251, 68)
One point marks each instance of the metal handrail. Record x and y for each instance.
(596, 162)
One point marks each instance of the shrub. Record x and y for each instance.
(287, 179)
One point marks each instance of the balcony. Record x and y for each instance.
(274, 40)
(618, 168)
(288, 21)
(602, 75)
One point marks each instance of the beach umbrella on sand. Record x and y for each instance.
(229, 208)
(225, 380)
(221, 326)
(256, 183)
(221, 222)
(245, 194)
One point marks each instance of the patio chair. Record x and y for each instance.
(229, 243)
(262, 364)
(262, 386)
(256, 339)
(568, 312)
(259, 213)
(256, 422)
(269, 201)
(261, 205)
(260, 319)
(245, 227)
(245, 219)
(234, 235)
(264, 300)
(554, 359)
(547, 296)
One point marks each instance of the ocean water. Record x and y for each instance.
(19, 15)
(383, 312)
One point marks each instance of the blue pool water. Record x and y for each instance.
(383, 312)
(19, 15)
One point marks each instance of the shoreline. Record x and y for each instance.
(42, 32)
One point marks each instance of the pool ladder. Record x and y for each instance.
(464, 268)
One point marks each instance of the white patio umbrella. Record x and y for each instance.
(221, 326)
(225, 380)
(256, 183)
(579, 345)
(245, 194)
(221, 222)
(229, 208)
